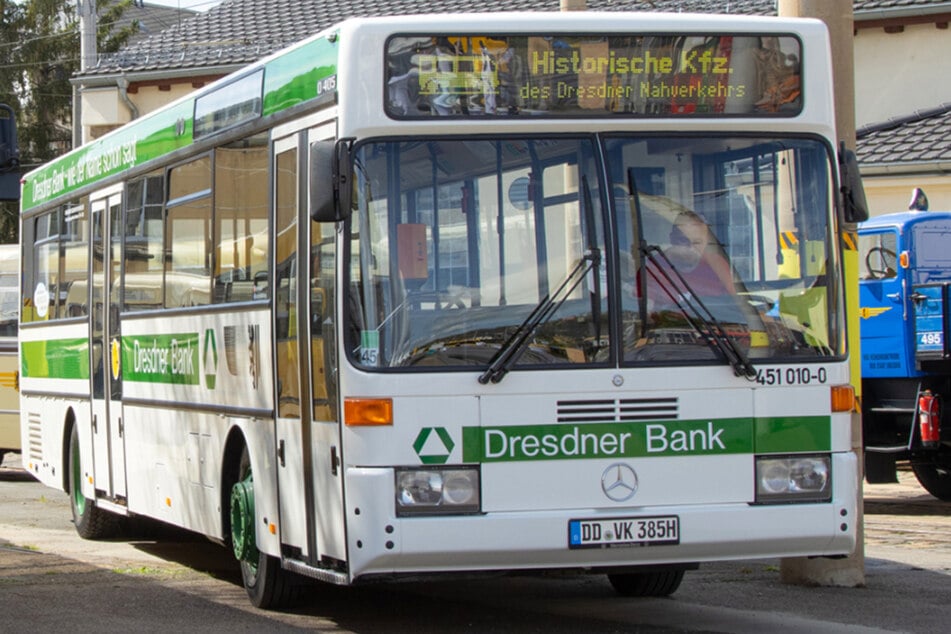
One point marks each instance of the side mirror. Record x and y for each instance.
(330, 178)
(853, 204)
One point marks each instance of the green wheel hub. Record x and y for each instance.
(242, 521)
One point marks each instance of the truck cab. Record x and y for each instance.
(904, 281)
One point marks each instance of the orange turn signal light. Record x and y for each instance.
(843, 398)
(368, 411)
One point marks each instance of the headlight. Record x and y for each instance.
(431, 491)
(793, 479)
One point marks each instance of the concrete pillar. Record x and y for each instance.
(838, 16)
(573, 5)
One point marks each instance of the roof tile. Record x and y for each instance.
(924, 136)
(243, 31)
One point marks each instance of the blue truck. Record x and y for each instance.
(905, 308)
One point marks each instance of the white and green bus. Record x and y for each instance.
(398, 301)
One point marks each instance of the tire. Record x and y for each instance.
(935, 478)
(659, 583)
(268, 585)
(91, 522)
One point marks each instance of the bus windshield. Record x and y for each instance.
(708, 249)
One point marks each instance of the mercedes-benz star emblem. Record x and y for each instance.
(619, 482)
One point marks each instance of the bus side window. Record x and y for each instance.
(188, 234)
(144, 227)
(241, 225)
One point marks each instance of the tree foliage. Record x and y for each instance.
(39, 53)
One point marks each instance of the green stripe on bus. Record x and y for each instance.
(639, 440)
(55, 359)
(607, 440)
(792, 434)
(285, 85)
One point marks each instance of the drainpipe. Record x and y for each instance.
(123, 84)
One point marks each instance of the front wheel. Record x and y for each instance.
(935, 478)
(658, 583)
(91, 521)
(267, 584)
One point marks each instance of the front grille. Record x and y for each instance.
(617, 410)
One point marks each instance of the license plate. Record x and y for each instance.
(624, 532)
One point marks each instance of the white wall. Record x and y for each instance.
(899, 73)
(887, 194)
(103, 107)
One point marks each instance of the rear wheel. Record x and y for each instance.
(657, 583)
(91, 521)
(935, 477)
(267, 584)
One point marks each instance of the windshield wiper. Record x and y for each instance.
(694, 310)
(514, 346)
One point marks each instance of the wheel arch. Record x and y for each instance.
(69, 421)
(230, 463)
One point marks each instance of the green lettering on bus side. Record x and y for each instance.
(150, 137)
(171, 358)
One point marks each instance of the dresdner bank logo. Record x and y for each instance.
(607, 440)
(161, 358)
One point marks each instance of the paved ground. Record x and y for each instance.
(50, 580)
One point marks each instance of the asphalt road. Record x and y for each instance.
(167, 580)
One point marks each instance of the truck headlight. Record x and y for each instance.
(431, 491)
(806, 478)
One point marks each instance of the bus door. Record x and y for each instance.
(108, 436)
(308, 437)
(886, 344)
(321, 344)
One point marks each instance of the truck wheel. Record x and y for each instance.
(658, 583)
(935, 478)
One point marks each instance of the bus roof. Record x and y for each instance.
(305, 75)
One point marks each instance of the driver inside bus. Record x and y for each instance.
(689, 286)
(696, 256)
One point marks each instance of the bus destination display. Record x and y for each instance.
(557, 76)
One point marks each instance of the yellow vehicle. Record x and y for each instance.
(9, 377)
